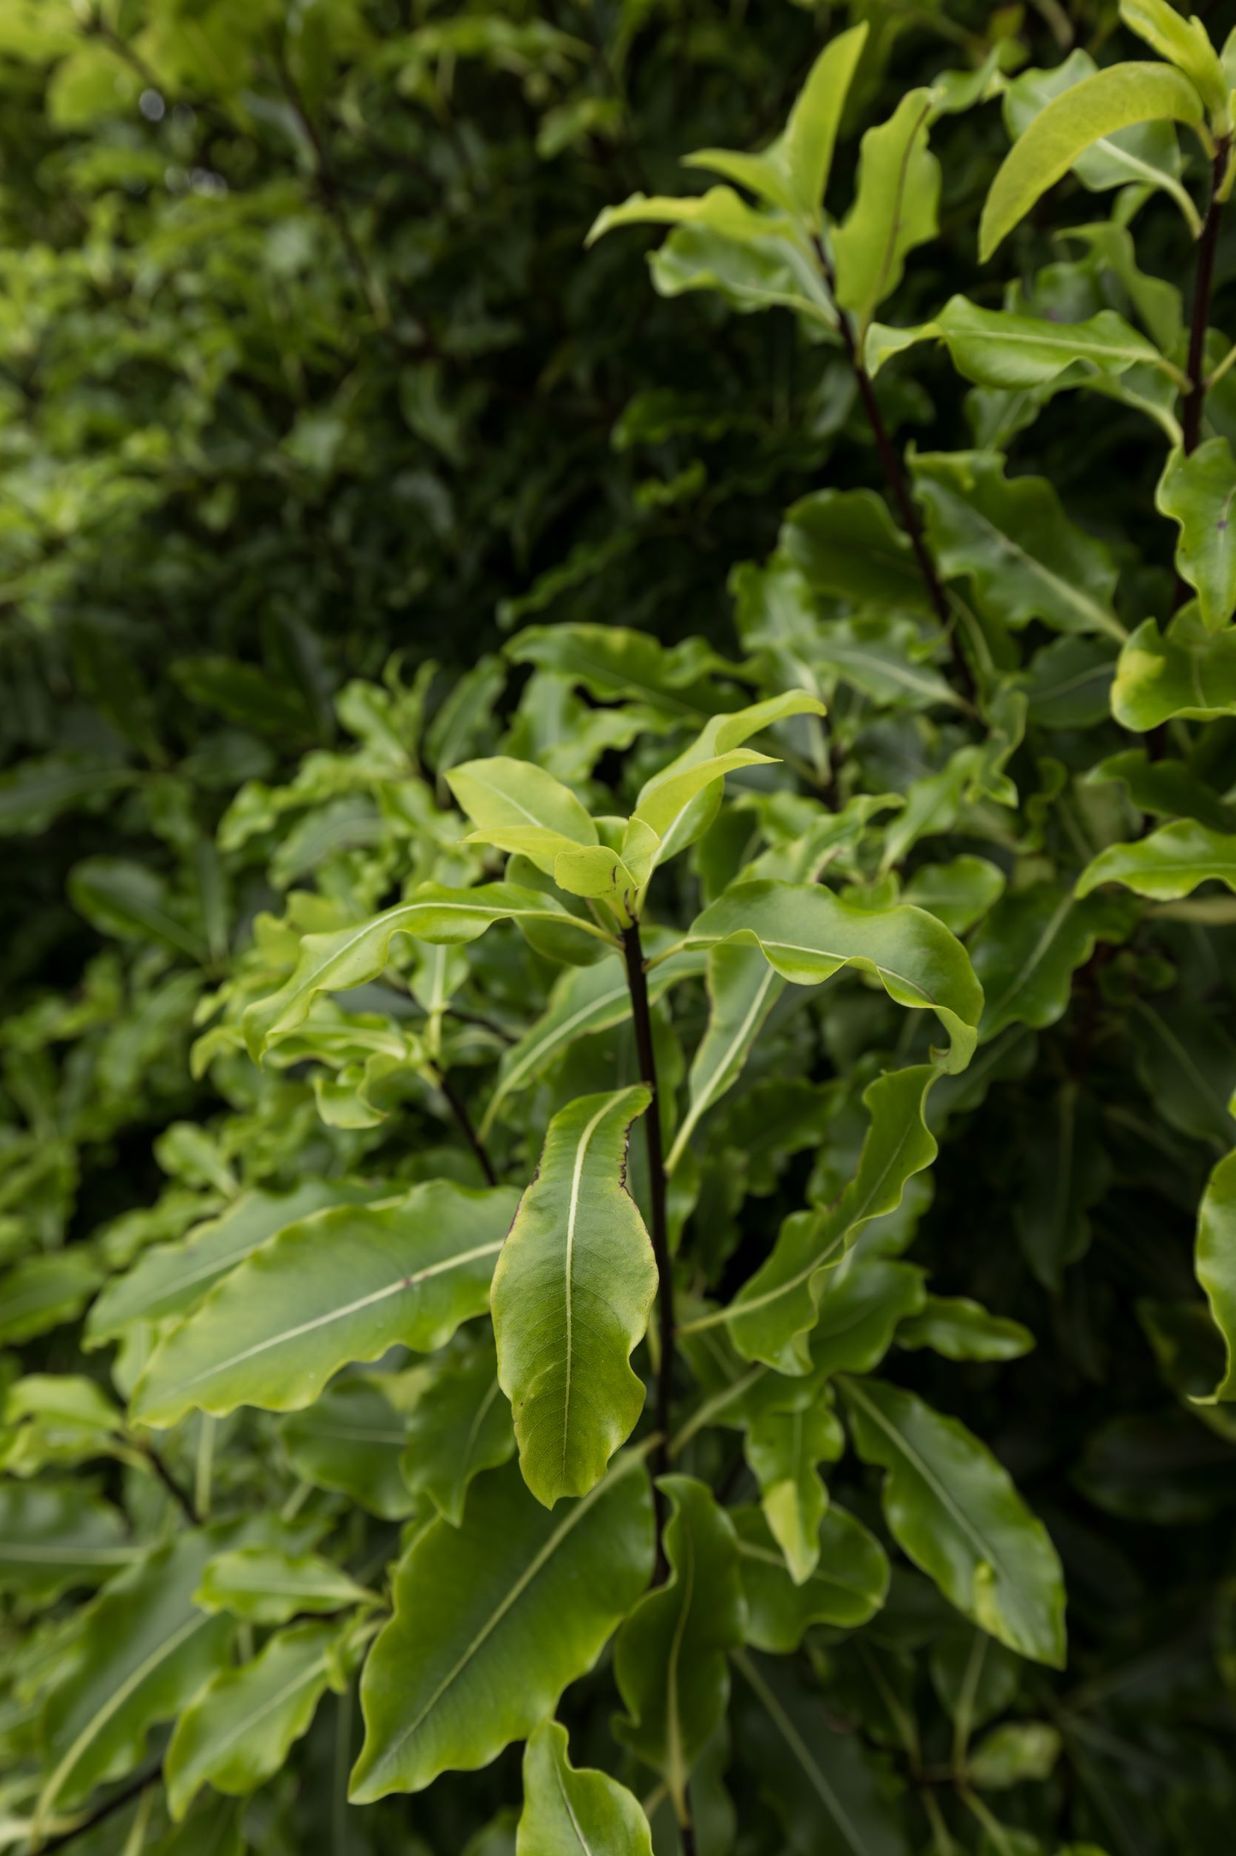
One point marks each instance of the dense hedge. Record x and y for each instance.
(335, 463)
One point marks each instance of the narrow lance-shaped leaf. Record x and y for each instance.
(492, 1621)
(1113, 99)
(1198, 492)
(571, 1811)
(954, 1510)
(571, 1297)
(1168, 864)
(670, 1655)
(343, 1285)
(894, 208)
(1216, 1263)
(742, 989)
(807, 935)
(334, 962)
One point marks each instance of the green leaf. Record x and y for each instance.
(459, 1426)
(268, 1585)
(132, 902)
(846, 1588)
(570, 1811)
(894, 208)
(237, 1732)
(995, 348)
(807, 935)
(1184, 43)
(1198, 492)
(1170, 863)
(1015, 1753)
(493, 1620)
(960, 1329)
(520, 808)
(845, 542)
(1186, 672)
(862, 1305)
(351, 1440)
(43, 1292)
(141, 1653)
(793, 171)
(448, 917)
(684, 682)
(1113, 99)
(778, 1307)
(58, 1535)
(670, 1655)
(953, 1509)
(343, 1285)
(783, 1448)
(1014, 544)
(958, 893)
(1145, 155)
(1029, 947)
(742, 990)
(168, 1279)
(571, 1297)
(55, 1418)
(1216, 1262)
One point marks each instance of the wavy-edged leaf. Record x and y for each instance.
(55, 1536)
(350, 1441)
(518, 807)
(720, 211)
(1012, 541)
(670, 1655)
(341, 1286)
(459, 1426)
(807, 935)
(42, 1292)
(1113, 99)
(571, 1297)
(269, 1585)
(492, 1621)
(845, 542)
(573, 1811)
(1032, 943)
(847, 1586)
(954, 1510)
(237, 1732)
(996, 348)
(1216, 1263)
(350, 956)
(1197, 492)
(784, 1445)
(1168, 864)
(894, 209)
(961, 1329)
(1185, 671)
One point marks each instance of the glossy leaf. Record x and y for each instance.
(1185, 671)
(743, 990)
(459, 1426)
(846, 1588)
(571, 1810)
(894, 208)
(267, 1585)
(1216, 1262)
(1030, 946)
(1198, 492)
(962, 1329)
(1170, 863)
(518, 807)
(997, 348)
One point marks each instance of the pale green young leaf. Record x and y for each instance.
(720, 211)
(1186, 672)
(997, 348)
(807, 935)
(685, 683)
(58, 1535)
(847, 1586)
(793, 171)
(750, 275)
(784, 1446)
(572, 1293)
(961, 1329)
(1032, 943)
(269, 1585)
(572, 1811)
(894, 208)
(954, 1510)
(1170, 863)
(1185, 44)
(349, 957)
(520, 808)
(459, 1426)
(1216, 1263)
(1011, 540)
(42, 1292)
(1198, 492)
(1114, 98)
(493, 1619)
(742, 990)
(237, 1732)
(340, 1286)
(670, 1655)
(773, 1314)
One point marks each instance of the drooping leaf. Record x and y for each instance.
(1029, 947)
(571, 1297)
(846, 1588)
(742, 990)
(1198, 492)
(894, 208)
(1168, 864)
(670, 1655)
(953, 1509)
(513, 1589)
(961, 1329)
(340, 1286)
(998, 348)
(1185, 672)
(807, 935)
(846, 542)
(571, 1810)
(1113, 99)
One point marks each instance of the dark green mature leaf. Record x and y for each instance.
(1031, 944)
(846, 1588)
(571, 1297)
(954, 1510)
(493, 1620)
(846, 542)
(894, 208)
(569, 1811)
(1216, 1262)
(670, 1655)
(459, 1426)
(342, 1285)
(351, 1441)
(57, 1535)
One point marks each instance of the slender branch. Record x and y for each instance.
(1203, 290)
(178, 1495)
(637, 984)
(459, 1109)
(108, 1808)
(895, 477)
